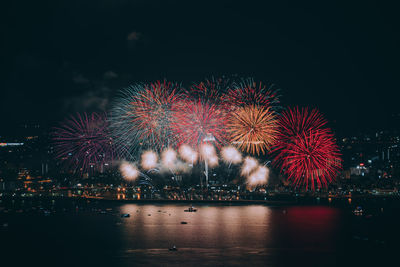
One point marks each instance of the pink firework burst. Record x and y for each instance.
(83, 141)
(197, 123)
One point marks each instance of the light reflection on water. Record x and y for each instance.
(215, 235)
(210, 233)
(254, 229)
(234, 226)
(228, 233)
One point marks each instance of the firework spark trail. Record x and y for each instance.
(84, 141)
(306, 151)
(253, 129)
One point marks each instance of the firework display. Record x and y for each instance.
(248, 92)
(198, 123)
(83, 141)
(253, 129)
(143, 115)
(163, 127)
(212, 91)
(295, 120)
(306, 151)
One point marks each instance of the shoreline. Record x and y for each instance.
(153, 201)
(270, 202)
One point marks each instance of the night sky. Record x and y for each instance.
(62, 57)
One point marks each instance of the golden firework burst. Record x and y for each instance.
(253, 129)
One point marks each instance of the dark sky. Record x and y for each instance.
(59, 57)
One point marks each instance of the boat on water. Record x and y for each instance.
(125, 215)
(191, 209)
(173, 248)
(358, 210)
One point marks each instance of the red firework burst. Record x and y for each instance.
(197, 123)
(210, 90)
(294, 121)
(306, 152)
(152, 110)
(249, 92)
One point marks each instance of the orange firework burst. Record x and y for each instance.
(253, 129)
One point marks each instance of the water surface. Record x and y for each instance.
(94, 234)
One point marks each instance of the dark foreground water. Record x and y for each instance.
(80, 233)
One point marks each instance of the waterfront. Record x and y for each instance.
(82, 233)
